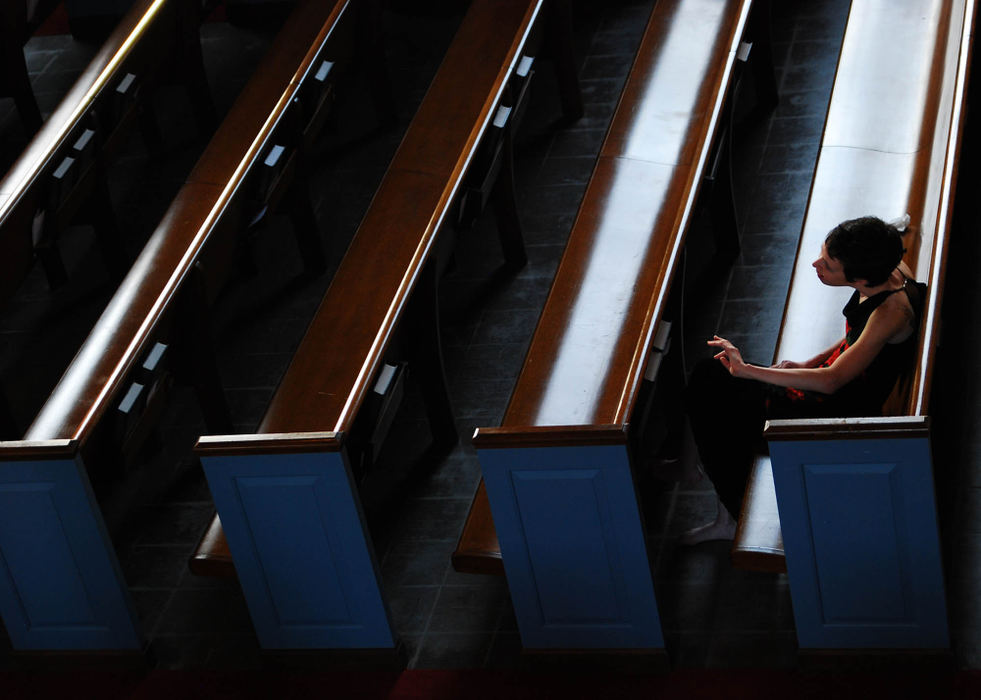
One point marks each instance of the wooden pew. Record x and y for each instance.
(557, 472)
(62, 172)
(856, 496)
(61, 586)
(287, 495)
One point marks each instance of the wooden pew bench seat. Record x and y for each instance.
(558, 488)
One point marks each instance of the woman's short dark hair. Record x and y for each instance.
(868, 248)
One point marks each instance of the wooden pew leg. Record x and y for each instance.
(8, 426)
(16, 66)
(54, 267)
(305, 228)
(506, 209)
(150, 130)
(198, 354)
(195, 77)
(761, 60)
(426, 358)
(562, 47)
(111, 243)
(372, 55)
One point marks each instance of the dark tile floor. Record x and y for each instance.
(713, 615)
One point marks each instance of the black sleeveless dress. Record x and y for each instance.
(866, 393)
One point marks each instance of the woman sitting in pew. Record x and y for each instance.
(728, 400)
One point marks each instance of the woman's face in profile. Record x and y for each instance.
(829, 270)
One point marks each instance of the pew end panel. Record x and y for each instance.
(572, 537)
(61, 587)
(290, 511)
(859, 519)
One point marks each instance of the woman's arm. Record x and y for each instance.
(813, 362)
(885, 322)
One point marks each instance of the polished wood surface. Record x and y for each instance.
(130, 324)
(336, 363)
(102, 72)
(551, 436)
(759, 543)
(478, 551)
(150, 30)
(588, 354)
(212, 557)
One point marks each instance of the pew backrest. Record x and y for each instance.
(215, 198)
(87, 121)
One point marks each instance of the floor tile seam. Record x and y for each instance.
(154, 633)
(425, 630)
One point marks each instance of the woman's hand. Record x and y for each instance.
(790, 364)
(728, 355)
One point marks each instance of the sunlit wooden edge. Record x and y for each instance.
(549, 436)
(11, 450)
(375, 356)
(930, 321)
(872, 427)
(268, 443)
(145, 331)
(19, 188)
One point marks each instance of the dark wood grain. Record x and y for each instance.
(343, 348)
(146, 41)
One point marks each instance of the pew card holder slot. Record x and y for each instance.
(483, 170)
(378, 413)
(316, 96)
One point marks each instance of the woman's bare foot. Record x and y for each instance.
(722, 528)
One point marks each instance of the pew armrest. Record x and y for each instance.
(18, 450)
(549, 436)
(268, 443)
(884, 428)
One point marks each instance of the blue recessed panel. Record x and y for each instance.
(860, 532)
(60, 583)
(573, 546)
(303, 556)
(553, 504)
(296, 550)
(856, 541)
